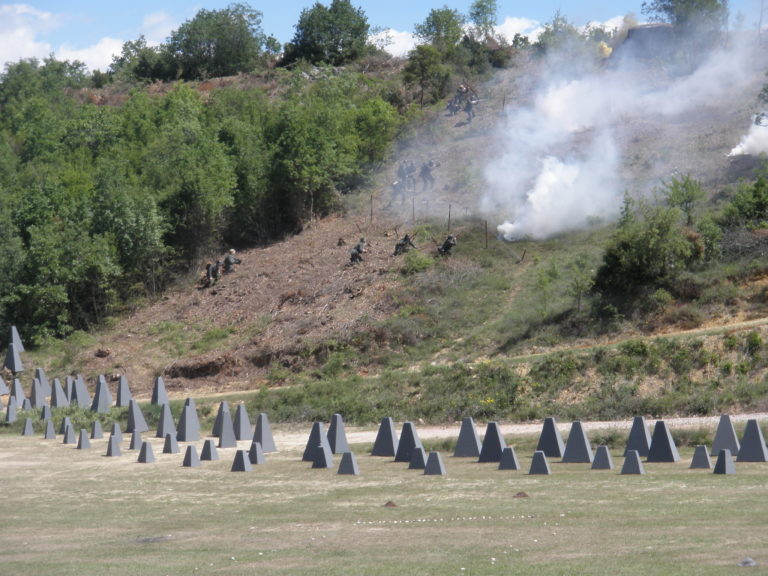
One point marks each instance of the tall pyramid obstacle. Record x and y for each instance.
(550, 440)
(256, 453)
(96, 431)
(28, 430)
(578, 449)
(64, 423)
(418, 459)
(509, 459)
(40, 375)
(227, 437)
(102, 399)
(124, 396)
(323, 457)
(337, 437)
(37, 396)
(50, 433)
(725, 437)
(58, 396)
(69, 435)
(223, 407)
(191, 459)
(171, 446)
(80, 396)
(136, 440)
(17, 392)
(662, 447)
(83, 442)
(116, 433)
(13, 336)
(753, 447)
(386, 439)
(434, 466)
(4, 390)
(316, 438)
(27, 404)
(146, 455)
(159, 395)
(69, 387)
(468, 445)
(409, 441)
(724, 464)
(242, 423)
(189, 424)
(700, 458)
(493, 444)
(13, 360)
(113, 447)
(165, 424)
(539, 464)
(136, 421)
(263, 434)
(209, 451)
(603, 460)
(241, 463)
(348, 465)
(46, 413)
(632, 463)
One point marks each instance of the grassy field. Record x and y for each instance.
(67, 511)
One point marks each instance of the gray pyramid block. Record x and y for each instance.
(209, 451)
(124, 395)
(165, 424)
(409, 441)
(40, 375)
(191, 459)
(28, 430)
(434, 466)
(136, 421)
(13, 336)
(509, 459)
(578, 448)
(242, 423)
(58, 396)
(116, 433)
(17, 392)
(50, 433)
(603, 460)
(323, 455)
(468, 444)
(227, 436)
(37, 396)
(64, 423)
(189, 424)
(69, 387)
(725, 437)
(348, 465)
(171, 446)
(159, 394)
(724, 463)
(418, 459)
(700, 458)
(241, 462)
(80, 394)
(96, 431)
(662, 447)
(263, 434)
(69, 435)
(46, 413)
(136, 441)
(10, 411)
(753, 447)
(316, 438)
(550, 440)
(493, 444)
(4, 390)
(27, 404)
(632, 463)
(83, 442)
(113, 447)
(146, 454)
(539, 464)
(13, 360)
(223, 407)
(386, 439)
(256, 454)
(337, 436)
(102, 399)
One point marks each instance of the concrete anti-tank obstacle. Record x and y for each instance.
(113, 447)
(316, 438)
(10, 411)
(539, 464)
(170, 446)
(700, 458)
(45, 412)
(69, 388)
(242, 423)
(434, 465)
(223, 407)
(191, 459)
(69, 435)
(409, 441)
(124, 395)
(83, 442)
(102, 399)
(418, 459)
(632, 463)
(603, 460)
(189, 424)
(165, 424)
(96, 431)
(493, 444)
(40, 375)
(753, 447)
(578, 448)
(17, 392)
(13, 359)
(28, 429)
(37, 395)
(509, 459)
(662, 447)
(227, 436)
(550, 440)
(146, 454)
(13, 336)
(386, 439)
(256, 454)
(116, 433)
(80, 394)
(64, 423)
(4, 390)
(27, 404)
(209, 451)
(323, 457)
(337, 437)
(725, 437)
(136, 441)
(50, 433)
(136, 421)
(263, 434)
(58, 396)
(159, 394)
(348, 465)
(724, 463)
(468, 444)
(241, 462)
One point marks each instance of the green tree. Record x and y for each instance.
(442, 29)
(426, 70)
(684, 193)
(698, 23)
(559, 35)
(483, 15)
(137, 61)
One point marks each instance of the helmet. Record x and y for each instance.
(231, 250)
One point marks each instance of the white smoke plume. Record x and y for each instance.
(755, 142)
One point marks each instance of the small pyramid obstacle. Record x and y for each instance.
(37, 396)
(69, 435)
(223, 407)
(434, 466)
(263, 434)
(227, 436)
(10, 411)
(96, 431)
(102, 399)
(80, 394)
(337, 437)
(493, 444)
(191, 459)
(17, 392)
(165, 424)
(189, 424)
(27, 404)
(700, 458)
(348, 465)
(40, 375)
(13, 336)
(4, 390)
(28, 429)
(242, 423)
(135, 441)
(113, 448)
(241, 463)
(386, 439)
(539, 464)
(662, 447)
(753, 447)
(124, 396)
(316, 438)
(159, 395)
(418, 459)
(136, 421)
(83, 442)
(256, 454)
(45, 413)
(116, 433)
(171, 446)
(146, 454)
(724, 464)
(550, 440)
(468, 444)
(58, 396)
(725, 437)
(13, 360)
(323, 457)
(509, 459)
(64, 423)
(578, 448)
(632, 463)
(50, 433)
(603, 460)
(209, 451)
(409, 441)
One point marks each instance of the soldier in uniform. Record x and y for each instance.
(229, 261)
(357, 251)
(403, 245)
(427, 178)
(445, 248)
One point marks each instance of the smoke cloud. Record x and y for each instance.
(754, 142)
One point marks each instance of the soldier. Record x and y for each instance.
(410, 175)
(357, 251)
(398, 189)
(403, 245)
(427, 179)
(469, 108)
(229, 261)
(216, 271)
(445, 248)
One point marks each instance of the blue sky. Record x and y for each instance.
(93, 30)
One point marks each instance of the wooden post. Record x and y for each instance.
(449, 217)
(486, 234)
(413, 210)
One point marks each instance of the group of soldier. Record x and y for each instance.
(465, 100)
(406, 178)
(402, 246)
(213, 271)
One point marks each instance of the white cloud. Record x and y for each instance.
(20, 27)
(522, 26)
(395, 42)
(96, 57)
(157, 27)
